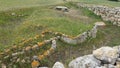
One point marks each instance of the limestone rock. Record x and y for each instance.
(68, 40)
(61, 8)
(117, 48)
(106, 54)
(94, 32)
(54, 44)
(58, 65)
(42, 67)
(87, 61)
(3, 66)
(101, 67)
(100, 24)
(117, 64)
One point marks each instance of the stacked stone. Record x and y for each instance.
(107, 13)
(36, 59)
(104, 57)
(80, 38)
(14, 57)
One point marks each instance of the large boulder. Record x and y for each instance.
(58, 65)
(87, 61)
(106, 54)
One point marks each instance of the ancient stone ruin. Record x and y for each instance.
(13, 56)
(111, 14)
(104, 57)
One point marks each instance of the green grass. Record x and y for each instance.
(100, 2)
(34, 16)
(28, 22)
(11, 4)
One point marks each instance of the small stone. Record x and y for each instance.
(3, 65)
(54, 44)
(35, 47)
(28, 48)
(18, 60)
(58, 65)
(13, 14)
(35, 57)
(42, 67)
(61, 8)
(100, 24)
(23, 61)
(35, 64)
(117, 64)
(14, 54)
(47, 41)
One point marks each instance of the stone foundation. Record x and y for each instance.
(111, 14)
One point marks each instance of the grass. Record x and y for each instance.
(8, 5)
(12, 4)
(106, 36)
(28, 22)
(23, 19)
(100, 2)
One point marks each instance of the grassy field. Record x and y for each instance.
(22, 19)
(11, 4)
(28, 22)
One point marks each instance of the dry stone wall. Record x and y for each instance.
(111, 14)
(80, 38)
(104, 57)
(13, 53)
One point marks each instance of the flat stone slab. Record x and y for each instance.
(100, 24)
(61, 8)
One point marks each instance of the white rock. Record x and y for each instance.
(58, 65)
(100, 24)
(94, 31)
(87, 61)
(68, 40)
(62, 8)
(106, 54)
(117, 48)
(3, 66)
(42, 67)
(118, 65)
(13, 14)
(54, 44)
(101, 67)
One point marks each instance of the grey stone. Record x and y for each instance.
(58, 65)
(61, 8)
(106, 54)
(87, 61)
(54, 44)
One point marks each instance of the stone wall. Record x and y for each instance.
(111, 14)
(80, 38)
(104, 57)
